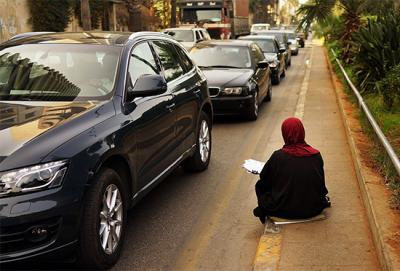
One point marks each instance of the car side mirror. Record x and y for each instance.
(282, 50)
(263, 64)
(148, 85)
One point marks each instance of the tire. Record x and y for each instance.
(252, 113)
(283, 73)
(92, 254)
(276, 79)
(201, 158)
(268, 98)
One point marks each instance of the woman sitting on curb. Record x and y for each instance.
(292, 182)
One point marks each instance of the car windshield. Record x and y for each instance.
(259, 27)
(266, 45)
(58, 72)
(278, 35)
(221, 56)
(181, 35)
(196, 15)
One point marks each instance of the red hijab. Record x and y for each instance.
(293, 134)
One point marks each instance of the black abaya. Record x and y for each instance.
(292, 186)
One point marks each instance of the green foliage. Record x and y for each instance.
(162, 10)
(331, 29)
(388, 121)
(378, 47)
(96, 12)
(46, 16)
(390, 87)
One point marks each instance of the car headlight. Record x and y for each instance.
(33, 178)
(232, 91)
(272, 65)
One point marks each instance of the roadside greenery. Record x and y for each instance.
(45, 16)
(365, 35)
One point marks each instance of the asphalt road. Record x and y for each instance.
(204, 221)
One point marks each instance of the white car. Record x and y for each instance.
(259, 27)
(188, 37)
(294, 43)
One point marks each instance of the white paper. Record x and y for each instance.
(253, 166)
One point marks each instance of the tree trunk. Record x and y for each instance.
(173, 14)
(105, 21)
(85, 15)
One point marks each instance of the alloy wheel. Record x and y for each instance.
(204, 141)
(256, 103)
(111, 215)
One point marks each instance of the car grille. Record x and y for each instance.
(214, 91)
(18, 238)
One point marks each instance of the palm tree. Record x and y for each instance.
(350, 11)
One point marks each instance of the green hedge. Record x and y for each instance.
(46, 16)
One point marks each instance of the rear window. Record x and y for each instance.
(266, 45)
(221, 56)
(62, 72)
(181, 35)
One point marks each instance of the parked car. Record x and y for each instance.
(258, 27)
(188, 36)
(90, 122)
(293, 43)
(275, 57)
(282, 37)
(238, 75)
(301, 39)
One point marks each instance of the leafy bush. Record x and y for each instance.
(378, 50)
(390, 87)
(46, 16)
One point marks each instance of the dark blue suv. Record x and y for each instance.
(89, 123)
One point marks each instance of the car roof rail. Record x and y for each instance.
(30, 34)
(148, 33)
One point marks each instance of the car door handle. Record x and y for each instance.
(170, 107)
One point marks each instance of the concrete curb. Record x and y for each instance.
(388, 259)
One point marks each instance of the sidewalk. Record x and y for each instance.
(343, 241)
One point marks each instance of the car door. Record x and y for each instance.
(179, 83)
(153, 121)
(281, 57)
(261, 75)
(187, 100)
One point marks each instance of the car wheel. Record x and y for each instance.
(268, 98)
(276, 79)
(290, 62)
(103, 222)
(253, 109)
(201, 158)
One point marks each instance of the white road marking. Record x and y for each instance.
(299, 112)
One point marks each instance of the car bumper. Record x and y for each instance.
(54, 213)
(231, 105)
